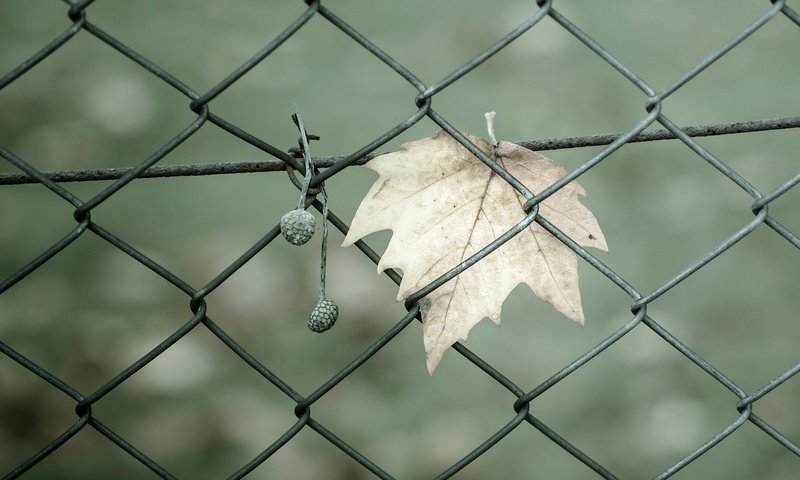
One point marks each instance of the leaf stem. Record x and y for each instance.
(490, 127)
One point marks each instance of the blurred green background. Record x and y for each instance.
(200, 412)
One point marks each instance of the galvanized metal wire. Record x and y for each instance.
(519, 412)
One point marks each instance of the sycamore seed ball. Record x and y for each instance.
(323, 316)
(298, 226)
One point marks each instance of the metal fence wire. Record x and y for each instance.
(520, 412)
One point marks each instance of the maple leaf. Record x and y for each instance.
(443, 204)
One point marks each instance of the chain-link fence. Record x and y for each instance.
(521, 411)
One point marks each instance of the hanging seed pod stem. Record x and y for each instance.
(298, 226)
(309, 166)
(326, 312)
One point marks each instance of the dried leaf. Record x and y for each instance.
(443, 205)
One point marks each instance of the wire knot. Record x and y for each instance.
(301, 152)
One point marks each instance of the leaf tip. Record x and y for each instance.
(432, 361)
(577, 317)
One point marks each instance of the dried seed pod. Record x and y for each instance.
(323, 316)
(298, 226)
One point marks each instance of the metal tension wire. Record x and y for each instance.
(222, 168)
